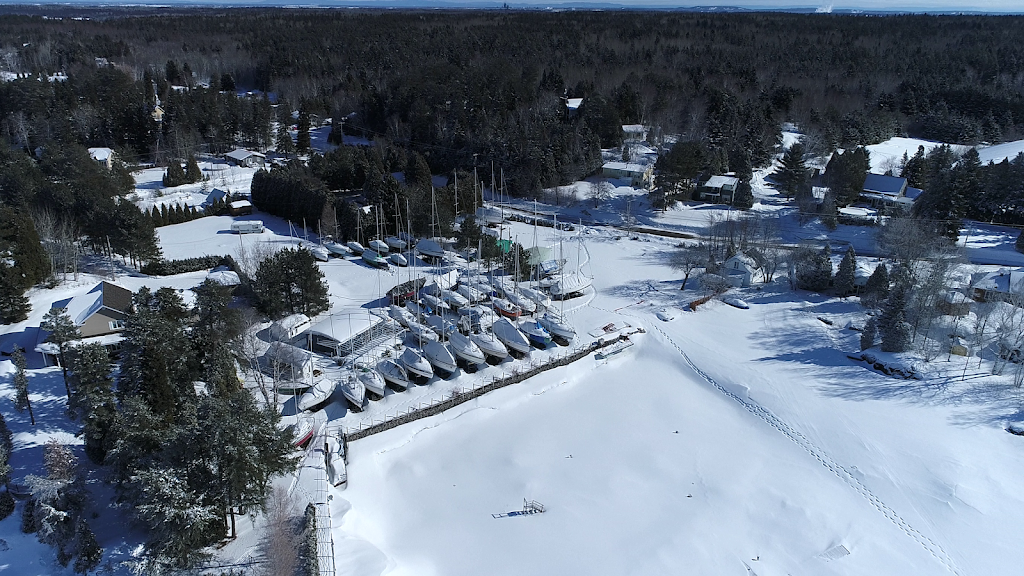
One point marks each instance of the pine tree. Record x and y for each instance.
(6, 449)
(21, 399)
(88, 551)
(744, 195)
(844, 279)
(175, 175)
(62, 333)
(876, 289)
(93, 402)
(14, 305)
(1020, 241)
(290, 282)
(792, 174)
(192, 172)
(867, 335)
(284, 142)
(892, 325)
(302, 140)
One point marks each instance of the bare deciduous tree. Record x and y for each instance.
(686, 259)
(280, 539)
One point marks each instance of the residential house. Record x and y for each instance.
(718, 189)
(289, 327)
(99, 315)
(954, 303)
(104, 156)
(739, 270)
(997, 286)
(639, 175)
(881, 190)
(247, 158)
(217, 195)
(634, 132)
(157, 114)
(572, 105)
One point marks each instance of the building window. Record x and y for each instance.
(116, 324)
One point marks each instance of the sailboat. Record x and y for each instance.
(372, 381)
(572, 283)
(442, 327)
(535, 332)
(422, 333)
(334, 455)
(454, 299)
(510, 336)
(319, 393)
(303, 430)
(440, 357)
(557, 325)
(539, 298)
(335, 248)
(489, 344)
(397, 259)
(506, 308)
(354, 391)
(374, 259)
(465, 349)
(354, 245)
(394, 374)
(379, 246)
(401, 315)
(470, 293)
(415, 364)
(435, 303)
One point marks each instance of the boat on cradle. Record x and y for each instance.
(380, 246)
(335, 248)
(372, 381)
(374, 259)
(422, 333)
(557, 325)
(525, 304)
(475, 318)
(490, 346)
(483, 286)
(569, 284)
(535, 333)
(470, 293)
(401, 315)
(539, 298)
(303, 430)
(614, 349)
(356, 248)
(506, 308)
(440, 357)
(465, 349)
(318, 394)
(454, 299)
(396, 244)
(319, 252)
(394, 374)
(334, 455)
(415, 364)
(354, 391)
(510, 336)
(430, 248)
(435, 303)
(405, 291)
(418, 309)
(397, 259)
(293, 388)
(443, 328)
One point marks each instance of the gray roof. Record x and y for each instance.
(888, 185)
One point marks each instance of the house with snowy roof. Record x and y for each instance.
(99, 315)
(997, 286)
(719, 189)
(639, 175)
(634, 132)
(247, 158)
(104, 156)
(739, 270)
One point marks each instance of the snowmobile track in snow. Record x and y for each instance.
(826, 460)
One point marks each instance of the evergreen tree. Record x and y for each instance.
(876, 289)
(417, 172)
(62, 333)
(6, 449)
(175, 175)
(845, 174)
(14, 306)
(867, 335)
(892, 325)
(302, 139)
(21, 399)
(829, 212)
(192, 172)
(744, 196)
(1020, 242)
(88, 551)
(814, 270)
(915, 169)
(290, 282)
(284, 142)
(792, 174)
(846, 274)
(93, 402)
(217, 324)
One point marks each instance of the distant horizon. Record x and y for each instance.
(993, 7)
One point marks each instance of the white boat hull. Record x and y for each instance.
(356, 248)
(506, 308)
(337, 474)
(415, 364)
(401, 315)
(535, 332)
(372, 381)
(320, 392)
(398, 260)
(490, 346)
(454, 299)
(525, 304)
(320, 253)
(510, 336)
(470, 293)
(394, 374)
(430, 248)
(422, 333)
(395, 244)
(374, 259)
(440, 326)
(464, 348)
(539, 298)
(557, 325)
(440, 357)
(336, 249)
(380, 246)
(354, 392)
(569, 284)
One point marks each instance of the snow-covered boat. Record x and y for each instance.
(483, 286)
(394, 374)
(415, 364)
(319, 252)
(454, 299)
(525, 304)
(464, 348)
(372, 381)
(395, 244)
(354, 391)
(557, 325)
(475, 318)
(430, 248)
(334, 456)
(510, 336)
(736, 302)
(335, 248)
(569, 284)
(442, 327)
(470, 293)
(490, 345)
(303, 430)
(506, 308)
(539, 298)
(417, 308)
(397, 259)
(535, 333)
(422, 333)
(374, 259)
(440, 357)
(435, 303)
(401, 315)
(355, 247)
(320, 392)
(380, 246)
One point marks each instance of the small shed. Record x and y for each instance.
(240, 208)
(289, 327)
(247, 158)
(217, 195)
(955, 303)
(739, 270)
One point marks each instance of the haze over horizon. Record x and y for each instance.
(987, 6)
